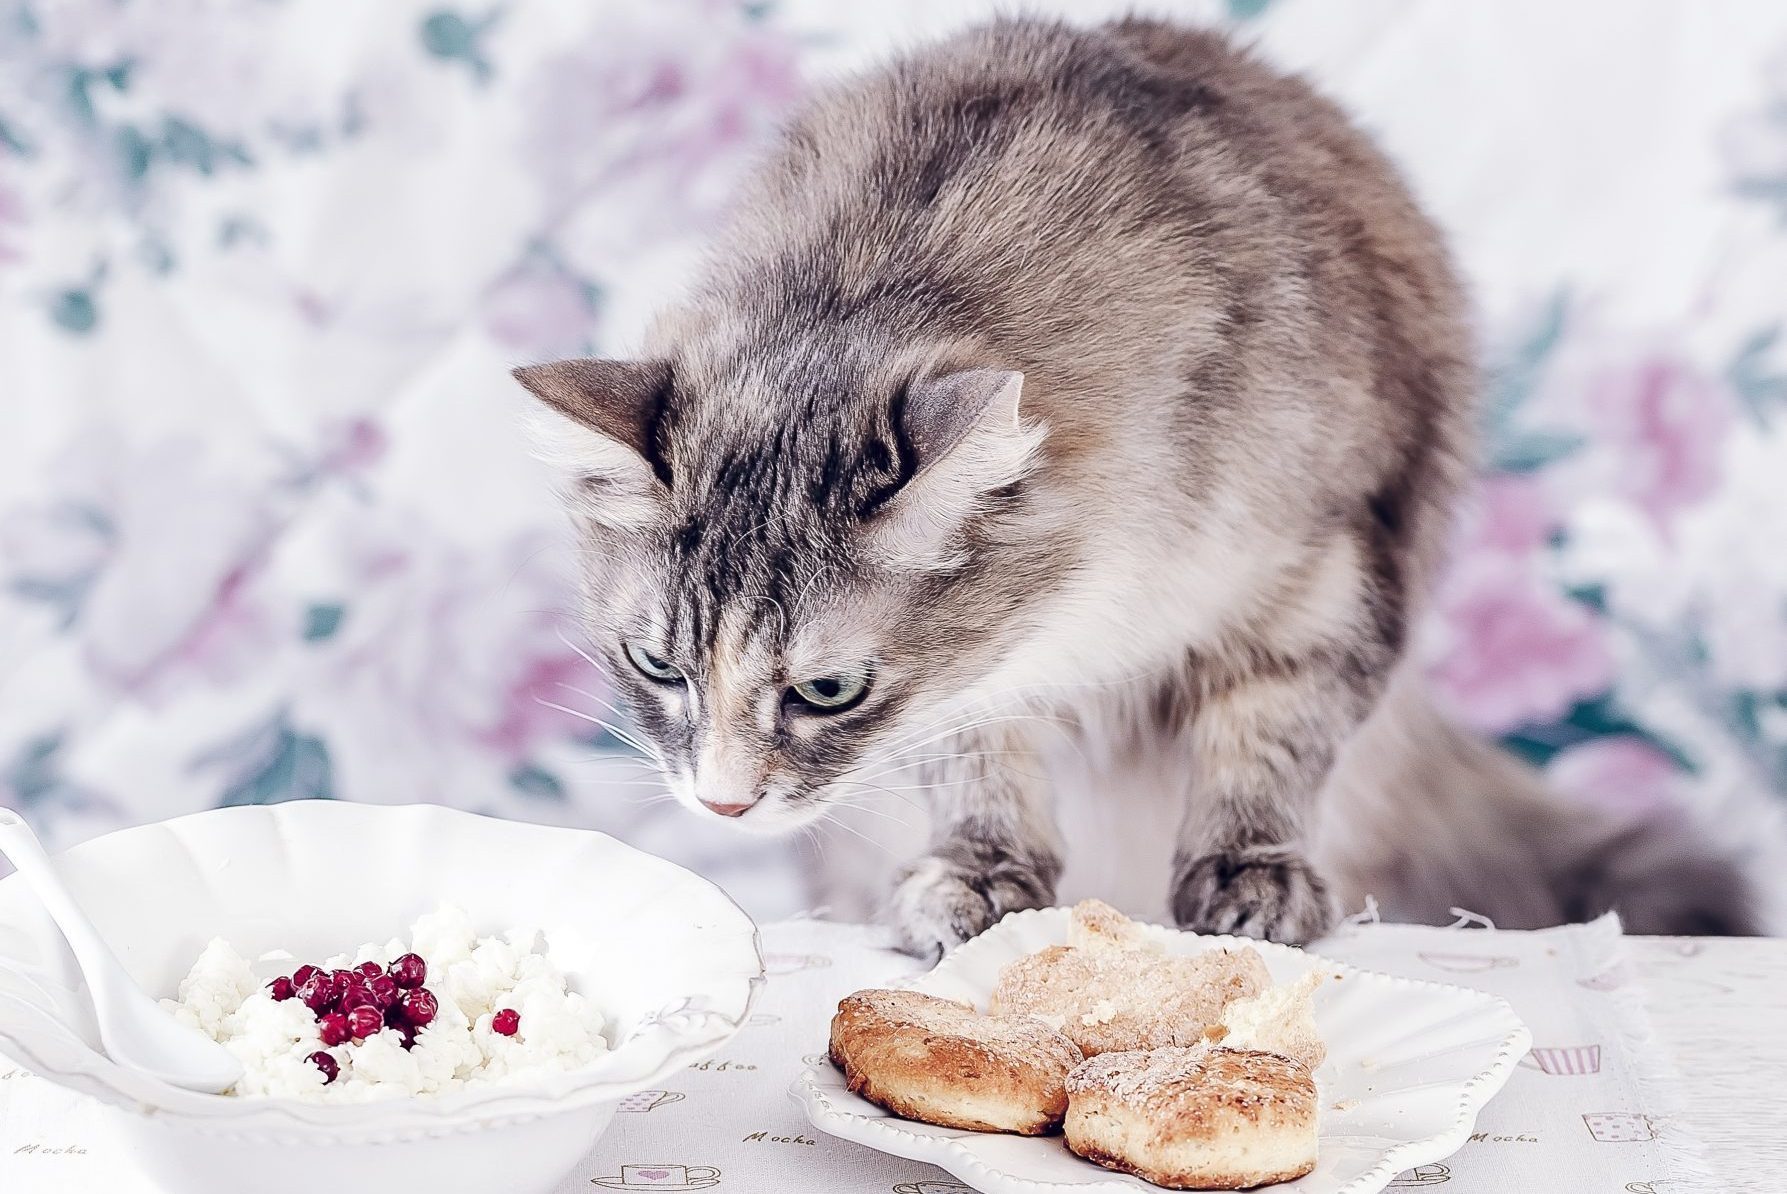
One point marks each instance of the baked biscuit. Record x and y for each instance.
(941, 1062)
(1110, 999)
(1205, 1118)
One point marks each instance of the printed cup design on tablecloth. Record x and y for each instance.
(641, 1101)
(1468, 963)
(933, 1186)
(1620, 1127)
(661, 1177)
(775, 964)
(1573, 1059)
(815, 1059)
(1421, 1175)
(685, 1014)
(1677, 1185)
(763, 1020)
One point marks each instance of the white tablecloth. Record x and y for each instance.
(1592, 1109)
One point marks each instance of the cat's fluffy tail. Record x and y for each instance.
(1426, 817)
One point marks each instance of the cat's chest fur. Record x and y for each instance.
(1117, 813)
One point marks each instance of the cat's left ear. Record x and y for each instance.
(614, 408)
(971, 441)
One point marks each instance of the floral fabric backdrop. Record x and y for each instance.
(268, 528)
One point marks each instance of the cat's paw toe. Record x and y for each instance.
(936, 906)
(1267, 892)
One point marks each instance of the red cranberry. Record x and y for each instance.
(343, 980)
(328, 1065)
(419, 1007)
(334, 1029)
(302, 975)
(369, 970)
(383, 991)
(357, 996)
(318, 993)
(363, 1022)
(506, 1022)
(410, 971)
(282, 989)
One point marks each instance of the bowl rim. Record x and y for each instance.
(388, 1119)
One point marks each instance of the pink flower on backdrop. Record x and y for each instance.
(350, 446)
(1512, 514)
(541, 311)
(1624, 775)
(672, 97)
(444, 651)
(155, 548)
(1508, 648)
(1660, 424)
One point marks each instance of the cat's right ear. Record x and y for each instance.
(605, 438)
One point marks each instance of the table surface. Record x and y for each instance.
(1719, 1006)
(1719, 1010)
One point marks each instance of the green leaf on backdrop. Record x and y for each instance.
(298, 768)
(1512, 381)
(530, 779)
(14, 141)
(452, 37)
(322, 620)
(1761, 385)
(33, 773)
(1530, 451)
(1597, 717)
(75, 311)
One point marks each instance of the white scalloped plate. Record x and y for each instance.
(1409, 1065)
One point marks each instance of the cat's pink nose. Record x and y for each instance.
(728, 810)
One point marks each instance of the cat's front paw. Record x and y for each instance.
(939, 902)
(1268, 892)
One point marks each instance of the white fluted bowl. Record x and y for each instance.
(671, 961)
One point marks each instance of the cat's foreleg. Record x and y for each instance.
(1263, 744)
(994, 845)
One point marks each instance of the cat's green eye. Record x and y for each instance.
(833, 694)
(651, 665)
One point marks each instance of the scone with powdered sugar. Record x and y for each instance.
(1113, 990)
(942, 1062)
(1205, 1118)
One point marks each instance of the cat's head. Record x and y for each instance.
(793, 569)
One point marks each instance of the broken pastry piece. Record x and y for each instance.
(1277, 1020)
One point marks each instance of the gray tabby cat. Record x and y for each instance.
(1089, 381)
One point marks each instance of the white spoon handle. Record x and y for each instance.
(137, 1033)
(96, 958)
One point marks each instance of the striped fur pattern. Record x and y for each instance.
(1101, 382)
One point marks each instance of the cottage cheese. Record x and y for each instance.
(472, 977)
